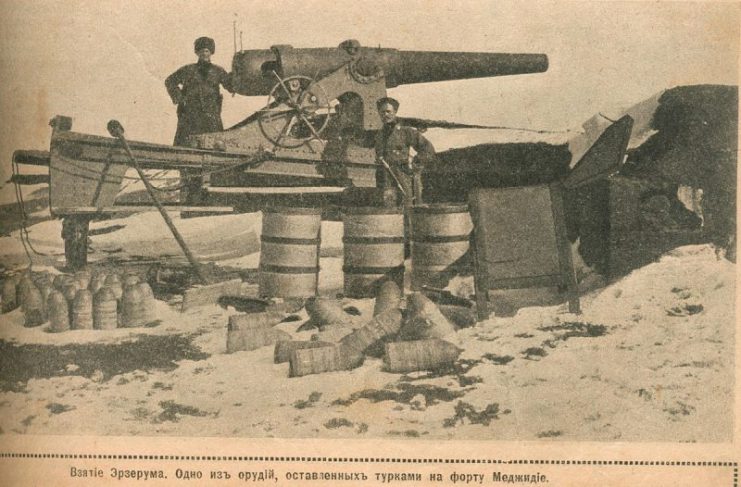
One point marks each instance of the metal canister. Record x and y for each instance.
(289, 252)
(373, 240)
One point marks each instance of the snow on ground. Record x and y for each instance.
(650, 359)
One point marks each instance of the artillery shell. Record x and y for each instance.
(353, 346)
(323, 312)
(131, 307)
(147, 305)
(83, 279)
(60, 281)
(58, 311)
(105, 309)
(264, 319)
(307, 361)
(388, 297)
(247, 339)
(419, 355)
(130, 280)
(332, 334)
(425, 320)
(82, 311)
(283, 348)
(9, 295)
(114, 282)
(33, 307)
(97, 282)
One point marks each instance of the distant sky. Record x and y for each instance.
(97, 60)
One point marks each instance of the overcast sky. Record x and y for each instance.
(97, 60)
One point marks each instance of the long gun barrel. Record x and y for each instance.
(253, 69)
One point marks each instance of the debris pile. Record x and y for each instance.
(408, 333)
(80, 301)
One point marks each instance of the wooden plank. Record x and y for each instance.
(210, 293)
(80, 210)
(526, 282)
(604, 157)
(564, 248)
(28, 179)
(32, 157)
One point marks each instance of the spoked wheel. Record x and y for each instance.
(297, 112)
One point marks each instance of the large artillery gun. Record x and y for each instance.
(316, 131)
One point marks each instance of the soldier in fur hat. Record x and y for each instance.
(194, 88)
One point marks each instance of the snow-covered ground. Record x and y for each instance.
(649, 359)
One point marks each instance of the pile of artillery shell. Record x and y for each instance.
(251, 331)
(105, 309)
(58, 311)
(82, 310)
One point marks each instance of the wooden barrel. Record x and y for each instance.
(289, 253)
(440, 240)
(373, 241)
(431, 354)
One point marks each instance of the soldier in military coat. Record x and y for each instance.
(393, 142)
(195, 89)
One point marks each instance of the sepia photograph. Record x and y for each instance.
(428, 222)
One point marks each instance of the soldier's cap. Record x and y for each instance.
(205, 43)
(387, 101)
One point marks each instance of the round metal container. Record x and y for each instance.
(373, 241)
(289, 252)
(440, 240)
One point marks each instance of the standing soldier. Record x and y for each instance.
(194, 88)
(392, 151)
